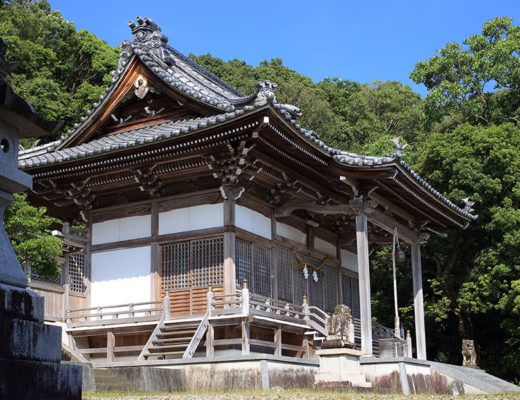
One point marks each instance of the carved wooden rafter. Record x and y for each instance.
(147, 180)
(228, 168)
(77, 192)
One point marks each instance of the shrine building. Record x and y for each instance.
(215, 224)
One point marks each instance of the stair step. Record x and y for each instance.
(171, 333)
(172, 340)
(181, 325)
(166, 353)
(170, 346)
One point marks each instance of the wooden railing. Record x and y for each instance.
(115, 314)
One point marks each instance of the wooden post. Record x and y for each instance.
(246, 336)
(409, 344)
(245, 298)
(364, 283)
(154, 252)
(166, 305)
(111, 341)
(350, 331)
(305, 307)
(210, 340)
(66, 286)
(278, 341)
(209, 301)
(420, 334)
(274, 261)
(229, 245)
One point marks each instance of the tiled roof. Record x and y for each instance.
(182, 74)
(48, 155)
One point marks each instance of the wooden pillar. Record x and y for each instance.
(111, 341)
(420, 334)
(274, 261)
(210, 341)
(278, 340)
(364, 284)
(229, 245)
(66, 286)
(154, 252)
(339, 281)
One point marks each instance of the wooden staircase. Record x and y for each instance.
(175, 339)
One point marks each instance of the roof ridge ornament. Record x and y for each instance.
(468, 204)
(148, 38)
(265, 91)
(398, 147)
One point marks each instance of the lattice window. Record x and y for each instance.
(300, 284)
(261, 270)
(285, 274)
(253, 263)
(207, 262)
(192, 264)
(175, 266)
(350, 293)
(354, 286)
(330, 287)
(76, 270)
(243, 261)
(346, 291)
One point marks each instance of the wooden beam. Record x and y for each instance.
(292, 205)
(388, 224)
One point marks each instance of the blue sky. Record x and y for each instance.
(356, 40)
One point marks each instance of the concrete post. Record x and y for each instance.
(364, 284)
(420, 334)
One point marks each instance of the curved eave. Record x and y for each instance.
(97, 108)
(68, 163)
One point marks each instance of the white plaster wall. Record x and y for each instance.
(120, 276)
(289, 232)
(118, 229)
(349, 260)
(191, 218)
(325, 247)
(252, 221)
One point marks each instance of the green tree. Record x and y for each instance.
(478, 269)
(61, 71)
(29, 230)
(478, 81)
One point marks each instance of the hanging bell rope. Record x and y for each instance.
(395, 258)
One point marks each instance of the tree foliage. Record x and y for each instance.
(476, 81)
(61, 71)
(29, 230)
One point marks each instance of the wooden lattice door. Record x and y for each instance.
(187, 269)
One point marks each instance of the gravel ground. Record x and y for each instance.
(289, 395)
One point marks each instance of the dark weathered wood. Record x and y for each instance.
(286, 209)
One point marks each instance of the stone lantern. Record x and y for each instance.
(30, 351)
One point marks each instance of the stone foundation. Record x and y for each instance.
(30, 351)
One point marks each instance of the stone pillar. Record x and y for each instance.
(420, 333)
(30, 351)
(364, 283)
